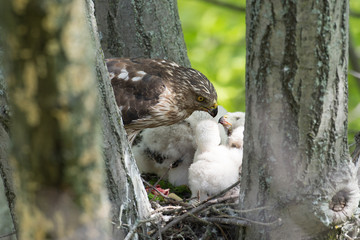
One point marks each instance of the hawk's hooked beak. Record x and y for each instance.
(213, 110)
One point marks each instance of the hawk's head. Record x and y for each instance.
(193, 90)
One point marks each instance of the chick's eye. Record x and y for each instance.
(200, 98)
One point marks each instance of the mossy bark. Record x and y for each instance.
(55, 132)
(296, 155)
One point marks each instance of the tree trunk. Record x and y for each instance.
(7, 194)
(296, 160)
(127, 195)
(55, 133)
(141, 28)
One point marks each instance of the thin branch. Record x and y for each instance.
(190, 230)
(221, 230)
(226, 5)
(195, 210)
(159, 227)
(354, 60)
(7, 234)
(222, 192)
(166, 172)
(137, 224)
(247, 210)
(167, 209)
(243, 9)
(277, 221)
(355, 74)
(182, 217)
(168, 199)
(228, 221)
(354, 14)
(154, 188)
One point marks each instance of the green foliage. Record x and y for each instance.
(156, 198)
(215, 39)
(354, 84)
(182, 191)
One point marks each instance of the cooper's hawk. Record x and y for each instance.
(152, 93)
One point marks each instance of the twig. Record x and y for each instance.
(277, 221)
(354, 74)
(159, 227)
(166, 172)
(221, 230)
(221, 199)
(228, 221)
(170, 200)
(216, 211)
(247, 210)
(182, 217)
(167, 209)
(222, 192)
(197, 209)
(154, 188)
(199, 219)
(348, 237)
(243, 9)
(190, 230)
(137, 224)
(224, 198)
(226, 5)
(8, 234)
(354, 14)
(354, 60)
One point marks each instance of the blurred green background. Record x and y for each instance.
(215, 38)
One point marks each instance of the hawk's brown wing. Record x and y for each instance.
(136, 91)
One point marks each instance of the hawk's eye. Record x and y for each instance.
(200, 98)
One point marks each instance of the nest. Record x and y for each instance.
(350, 230)
(218, 217)
(215, 218)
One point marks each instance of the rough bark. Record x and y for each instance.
(7, 194)
(58, 168)
(296, 159)
(127, 195)
(141, 28)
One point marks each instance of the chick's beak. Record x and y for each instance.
(225, 123)
(213, 110)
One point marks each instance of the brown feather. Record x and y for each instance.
(152, 93)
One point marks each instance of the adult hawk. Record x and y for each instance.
(152, 93)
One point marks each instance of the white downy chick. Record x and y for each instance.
(236, 139)
(234, 124)
(214, 168)
(160, 147)
(199, 116)
(157, 148)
